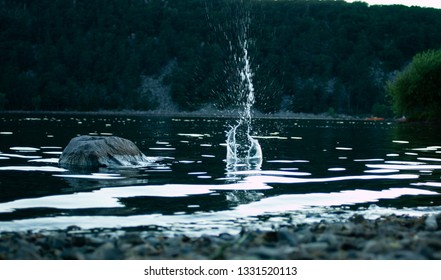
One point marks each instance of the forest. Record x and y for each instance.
(306, 56)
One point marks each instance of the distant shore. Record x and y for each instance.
(203, 113)
(389, 237)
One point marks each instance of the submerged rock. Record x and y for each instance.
(101, 151)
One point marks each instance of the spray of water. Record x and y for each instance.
(243, 151)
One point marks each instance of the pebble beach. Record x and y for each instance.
(390, 237)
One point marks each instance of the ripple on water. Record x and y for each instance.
(162, 149)
(194, 135)
(295, 202)
(336, 169)
(33, 168)
(269, 172)
(110, 197)
(287, 161)
(20, 156)
(368, 159)
(270, 137)
(280, 161)
(429, 159)
(428, 184)
(197, 173)
(291, 180)
(289, 169)
(343, 148)
(147, 183)
(208, 156)
(24, 149)
(94, 176)
(382, 171)
(45, 160)
(427, 149)
(52, 153)
(400, 141)
(404, 162)
(50, 148)
(404, 166)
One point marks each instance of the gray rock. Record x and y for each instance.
(141, 251)
(315, 248)
(101, 151)
(71, 254)
(107, 251)
(430, 223)
(263, 252)
(288, 236)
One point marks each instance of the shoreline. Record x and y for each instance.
(203, 113)
(389, 237)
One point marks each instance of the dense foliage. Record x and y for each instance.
(307, 56)
(416, 91)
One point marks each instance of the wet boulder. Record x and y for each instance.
(101, 151)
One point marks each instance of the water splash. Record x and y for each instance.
(243, 151)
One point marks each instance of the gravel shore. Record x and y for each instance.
(391, 237)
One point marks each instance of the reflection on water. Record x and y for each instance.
(312, 170)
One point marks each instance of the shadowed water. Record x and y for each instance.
(311, 170)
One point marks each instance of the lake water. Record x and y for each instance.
(311, 170)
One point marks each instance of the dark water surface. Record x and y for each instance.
(311, 170)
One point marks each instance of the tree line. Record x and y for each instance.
(416, 91)
(306, 56)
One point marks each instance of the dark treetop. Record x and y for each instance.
(307, 56)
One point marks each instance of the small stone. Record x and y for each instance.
(357, 219)
(107, 251)
(430, 223)
(226, 237)
(288, 236)
(263, 252)
(72, 255)
(315, 248)
(26, 251)
(271, 236)
(141, 252)
(382, 247)
(405, 255)
(55, 241)
(73, 228)
(319, 228)
(328, 238)
(132, 238)
(185, 238)
(78, 241)
(94, 241)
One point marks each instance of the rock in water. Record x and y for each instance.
(101, 151)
